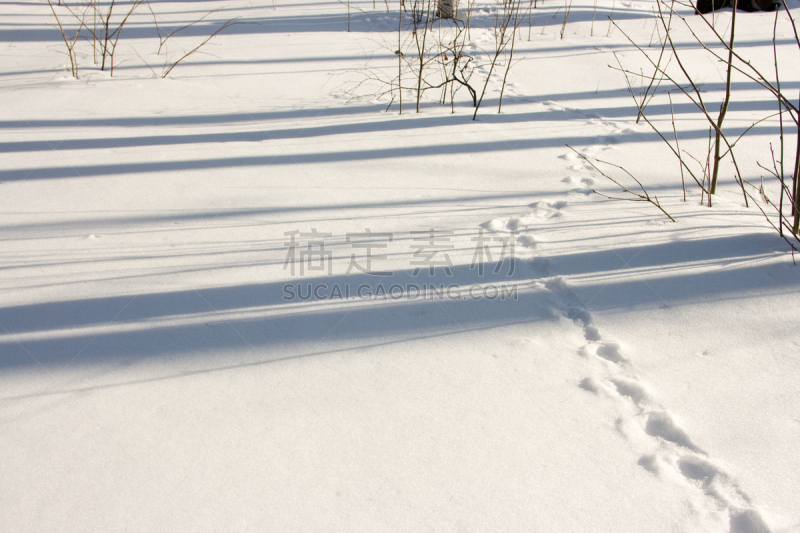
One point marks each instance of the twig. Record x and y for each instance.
(227, 24)
(677, 143)
(643, 197)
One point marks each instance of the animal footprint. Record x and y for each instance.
(632, 389)
(579, 185)
(497, 225)
(661, 424)
(545, 210)
(747, 521)
(611, 351)
(528, 241)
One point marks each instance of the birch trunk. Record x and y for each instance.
(448, 9)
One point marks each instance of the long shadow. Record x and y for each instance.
(708, 251)
(275, 321)
(446, 204)
(265, 318)
(509, 145)
(277, 23)
(387, 124)
(370, 109)
(195, 120)
(237, 250)
(361, 22)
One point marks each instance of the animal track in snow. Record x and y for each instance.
(607, 130)
(528, 241)
(610, 351)
(675, 455)
(607, 349)
(524, 225)
(662, 424)
(519, 225)
(541, 211)
(578, 315)
(591, 333)
(545, 210)
(579, 185)
(632, 389)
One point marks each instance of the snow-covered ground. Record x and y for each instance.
(162, 366)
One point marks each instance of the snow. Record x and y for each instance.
(625, 373)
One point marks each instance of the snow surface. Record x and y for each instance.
(154, 377)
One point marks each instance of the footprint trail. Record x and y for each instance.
(673, 455)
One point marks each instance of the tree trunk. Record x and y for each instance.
(448, 9)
